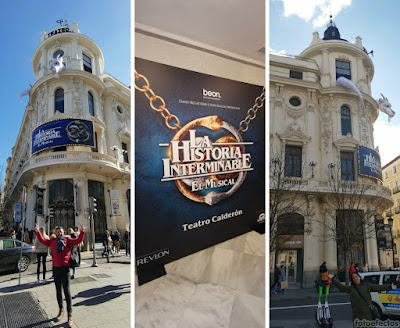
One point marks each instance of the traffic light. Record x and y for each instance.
(92, 205)
(51, 214)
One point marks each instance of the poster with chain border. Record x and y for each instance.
(199, 161)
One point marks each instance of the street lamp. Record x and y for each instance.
(114, 149)
(390, 221)
(312, 164)
(331, 167)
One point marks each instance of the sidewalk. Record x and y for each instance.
(100, 296)
(295, 295)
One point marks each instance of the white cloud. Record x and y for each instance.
(316, 10)
(385, 137)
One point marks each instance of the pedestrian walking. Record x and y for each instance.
(281, 279)
(19, 234)
(61, 252)
(127, 242)
(352, 269)
(360, 298)
(75, 259)
(107, 243)
(41, 254)
(276, 277)
(27, 240)
(117, 239)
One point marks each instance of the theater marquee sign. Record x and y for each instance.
(199, 158)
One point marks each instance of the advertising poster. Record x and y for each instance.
(114, 195)
(64, 132)
(369, 163)
(199, 171)
(17, 213)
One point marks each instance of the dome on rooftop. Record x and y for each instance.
(332, 32)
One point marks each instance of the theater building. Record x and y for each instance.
(323, 132)
(74, 140)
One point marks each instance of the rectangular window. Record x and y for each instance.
(95, 148)
(347, 165)
(293, 161)
(87, 63)
(296, 75)
(372, 279)
(125, 152)
(386, 175)
(394, 169)
(343, 69)
(60, 148)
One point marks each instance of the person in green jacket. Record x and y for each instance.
(360, 295)
(41, 253)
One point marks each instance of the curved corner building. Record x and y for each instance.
(74, 140)
(319, 129)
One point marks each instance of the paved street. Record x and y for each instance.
(100, 295)
(297, 308)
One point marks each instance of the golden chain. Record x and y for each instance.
(252, 112)
(243, 126)
(153, 98)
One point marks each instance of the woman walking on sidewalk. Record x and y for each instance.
(41, 253)
(61, 252)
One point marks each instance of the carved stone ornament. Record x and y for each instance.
(364, 125)
(294, 114)
(278, 103)
(326, 130)
(294, 127)
(344, 57)
(77, 102)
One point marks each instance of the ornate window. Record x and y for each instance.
(347, 165)
(343, 69)
(345, 116)
(59, 100)
(125, 152)
(91, 104)
(293, 160)
(87, 63)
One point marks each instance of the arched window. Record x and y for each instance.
(59, 100)
(346, 120)
(91, 104)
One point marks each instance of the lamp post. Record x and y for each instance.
(312, 164)
(115, 150)
(331, 167)
(390, 221)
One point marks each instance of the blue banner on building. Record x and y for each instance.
(369, 163)
(66, 132)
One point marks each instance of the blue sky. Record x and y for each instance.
(22, 22)
(292, 23)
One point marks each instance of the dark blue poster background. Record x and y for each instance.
(62, 133)
(161, 210)
(370, 162)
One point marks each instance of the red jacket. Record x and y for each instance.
(352, 269)
(62, 258)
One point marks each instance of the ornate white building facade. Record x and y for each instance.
(318, 127)
(63, 177)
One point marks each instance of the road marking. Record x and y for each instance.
(305, 306)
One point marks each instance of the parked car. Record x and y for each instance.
(10, 254)
(387, 302)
